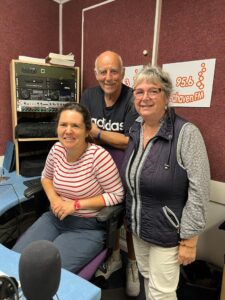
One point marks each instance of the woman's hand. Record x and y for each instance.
(60, 206)
(64, 209)
(186, 255)
(187, 250)
(55, 204)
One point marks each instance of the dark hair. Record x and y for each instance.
(80, 109)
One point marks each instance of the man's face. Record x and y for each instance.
(109, 73)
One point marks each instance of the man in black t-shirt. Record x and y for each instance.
(113, 113)
(110, 103)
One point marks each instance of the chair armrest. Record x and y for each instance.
(109, 212)
(113, 216)
(33, 190)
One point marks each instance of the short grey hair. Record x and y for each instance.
(155, 74)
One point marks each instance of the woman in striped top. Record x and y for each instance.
(79, 178)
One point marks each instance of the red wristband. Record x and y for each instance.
(76, 204)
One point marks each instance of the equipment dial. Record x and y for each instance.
(54, 96)
(24, 94)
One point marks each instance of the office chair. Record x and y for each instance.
(113, 216)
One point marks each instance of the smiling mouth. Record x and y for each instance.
(68, 139)
(109, 85)
(146, 106)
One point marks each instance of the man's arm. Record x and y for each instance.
(114, 139)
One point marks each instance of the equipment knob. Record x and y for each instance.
(25, 94)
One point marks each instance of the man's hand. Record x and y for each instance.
(115, 139)
(94, 130)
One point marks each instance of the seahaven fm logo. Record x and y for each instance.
(103, 124)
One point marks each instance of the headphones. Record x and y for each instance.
(8, 288)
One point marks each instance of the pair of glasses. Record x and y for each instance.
(139, 93)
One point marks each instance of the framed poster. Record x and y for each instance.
(130, 73)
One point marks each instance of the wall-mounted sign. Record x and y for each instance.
(192, 82)
(130, 73)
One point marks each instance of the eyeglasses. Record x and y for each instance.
(139, 93)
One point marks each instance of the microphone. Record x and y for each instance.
(40, 270)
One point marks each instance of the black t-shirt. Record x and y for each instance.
(117, 118)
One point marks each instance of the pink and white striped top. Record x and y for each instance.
(95, 173)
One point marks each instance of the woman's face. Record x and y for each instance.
(149, 100)
(71, 130)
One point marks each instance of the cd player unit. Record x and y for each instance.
(41, 88)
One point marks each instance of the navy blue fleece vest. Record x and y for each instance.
(155, 210)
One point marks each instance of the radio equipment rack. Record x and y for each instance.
(38, 91)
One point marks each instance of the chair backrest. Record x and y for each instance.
(117, 155)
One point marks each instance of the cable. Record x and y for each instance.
(8, 235)
(19, 215)
(18, 203)
(8, 184)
